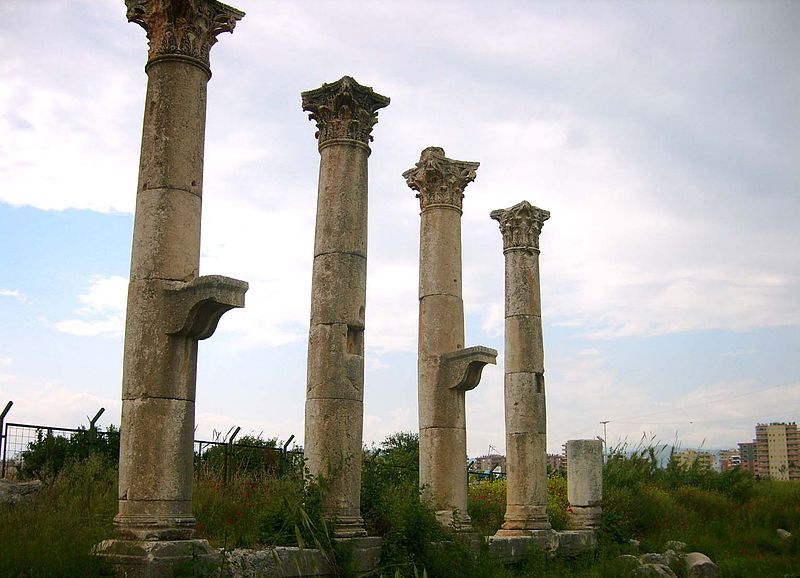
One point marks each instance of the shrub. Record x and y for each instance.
(49, 454)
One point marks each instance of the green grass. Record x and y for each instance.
(51, 533)
(730, 517)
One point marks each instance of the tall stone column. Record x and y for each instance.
(345, 113)
(526, 423)
(445, 369)
(584, 484)
(170, 307)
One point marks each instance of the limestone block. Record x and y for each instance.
(12, 492)
(524, 344)
(342, 200)
(333, 371)
(166, 235)
(783, 534)
(156, 457)
(585, 472)
(655, 570)
(515, 549)
(576, 542)
(439, 406)
(173, 136)
(339, 284)
(441, 324)
(527, 469)
(525, 407)
(155, 559)
(523, 295)
(698, 565)
(448, 475)
(333, 450)
(440, 253)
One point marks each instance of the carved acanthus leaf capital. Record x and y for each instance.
(439, 180)
(182, 27)
(521, 225)
(343, 110)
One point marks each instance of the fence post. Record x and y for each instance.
(95, 418)
(227, 449)
(282, 467)
(4, 436)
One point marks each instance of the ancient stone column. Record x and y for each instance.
(445, 369)
(345, 113)
(584, 483)
(170, 307)
(526, 423)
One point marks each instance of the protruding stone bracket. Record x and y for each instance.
(461, 369)
(197, 306)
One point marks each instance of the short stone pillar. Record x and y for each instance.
(345, 113)
(526, 423)
(169, 307)
(445, 369)
(584, 483)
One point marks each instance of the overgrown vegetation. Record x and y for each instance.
(729, 516)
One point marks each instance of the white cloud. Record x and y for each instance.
(13, 294)
(103, 305)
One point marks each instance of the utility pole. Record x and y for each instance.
(605, 444)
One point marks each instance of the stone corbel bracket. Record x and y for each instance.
(461, 370)
(197, 306)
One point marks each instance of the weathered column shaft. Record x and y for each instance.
(345, 113)
(584, 483)
(443, 363)
(526, 423)
(169, 306)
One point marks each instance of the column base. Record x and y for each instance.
(155, 528)
(523, 521)
(584, 517)
(349, 527)
(454, 520)
(513, 548)
(158, 559)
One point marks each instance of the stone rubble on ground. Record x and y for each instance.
(11, 492)
(783, 534)
(698, 565)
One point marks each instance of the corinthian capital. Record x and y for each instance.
(343, 110)
(439, 180)
(183, 27)
(520, 225)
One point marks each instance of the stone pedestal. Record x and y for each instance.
(169, 307)
(345, 113)
(445, 369)
(584, 483)
(159, 558)
(526, 422)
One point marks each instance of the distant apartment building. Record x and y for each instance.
(688, 458)
(554, 462)
(777, 451)
(729, 459)
(495, 463)
(747, 456)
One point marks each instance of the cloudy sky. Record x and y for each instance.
(663, 137)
